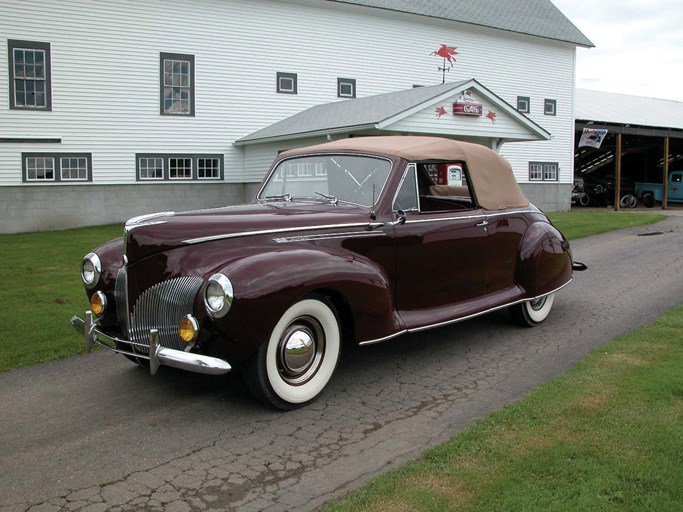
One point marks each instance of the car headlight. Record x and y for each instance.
(218, 295)
(91, 269)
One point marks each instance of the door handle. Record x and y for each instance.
(481, 224)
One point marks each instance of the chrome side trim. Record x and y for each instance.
(144, 218)
(462, 319)
(469, 217)
(490, 310)
(310, 238)
(342, 226)
(271, 232)
(380, 340)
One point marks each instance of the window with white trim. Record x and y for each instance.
(550, 107)
(208, 168)
(151, 168)
(178, 167)
(346, 88)
(177, 84)
(286, 83)
(40, 168)
(29, 75)
(56, 167)
(73, 168)
(543, 171)
(524, 104)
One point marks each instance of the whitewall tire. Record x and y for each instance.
(298, 361)
(532, 312)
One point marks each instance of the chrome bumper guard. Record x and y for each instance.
(157, 355)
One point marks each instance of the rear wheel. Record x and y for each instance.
(297, 362)
(532, 312)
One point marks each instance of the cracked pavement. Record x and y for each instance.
(96, 433)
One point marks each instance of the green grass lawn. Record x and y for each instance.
(578, 224)
(41, 290)
(605, 436)
(42, 287)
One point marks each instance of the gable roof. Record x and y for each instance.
(532, 17)
(377, 113)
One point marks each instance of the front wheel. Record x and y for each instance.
(532, 312)
(298, 361)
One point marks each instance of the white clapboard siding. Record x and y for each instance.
(105, 75)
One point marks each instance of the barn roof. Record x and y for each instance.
(532, 17)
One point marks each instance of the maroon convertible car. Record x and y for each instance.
(357, 240)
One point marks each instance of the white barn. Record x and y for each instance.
(114, 108)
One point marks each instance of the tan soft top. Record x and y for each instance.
(491, 175)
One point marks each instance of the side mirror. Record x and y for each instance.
(400, 218)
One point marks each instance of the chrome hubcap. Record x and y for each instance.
(537, 304)
(301, 350)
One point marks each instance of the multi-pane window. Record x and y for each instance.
(40, 168)
(550, 107)
(286, 83)
(176, 167)
(180, 168)
(346, 87)
(543, 171)
(177, 84)
(29, 64)
(151, 168)
(53, 167)
(208, 168)
(73, 168)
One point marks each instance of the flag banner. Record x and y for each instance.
(592, 137)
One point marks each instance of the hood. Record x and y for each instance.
(160, 232)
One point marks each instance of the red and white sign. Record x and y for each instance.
(463, 108)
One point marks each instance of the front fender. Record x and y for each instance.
(266, 284)
(545, 262)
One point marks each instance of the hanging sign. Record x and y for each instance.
(592, 137)
(465, 108)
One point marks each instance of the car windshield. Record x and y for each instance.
(348, 178)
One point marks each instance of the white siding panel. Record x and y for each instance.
(105, 75)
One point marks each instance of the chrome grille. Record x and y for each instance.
(160, 307)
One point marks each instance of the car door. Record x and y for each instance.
(441, 258)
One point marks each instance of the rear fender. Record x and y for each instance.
(545, 260)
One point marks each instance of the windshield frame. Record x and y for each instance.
(279, 162)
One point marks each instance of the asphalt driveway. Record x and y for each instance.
(96, 433)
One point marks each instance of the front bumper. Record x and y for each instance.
(157, 355)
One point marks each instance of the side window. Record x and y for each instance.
(444, 187)
(407, 199)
